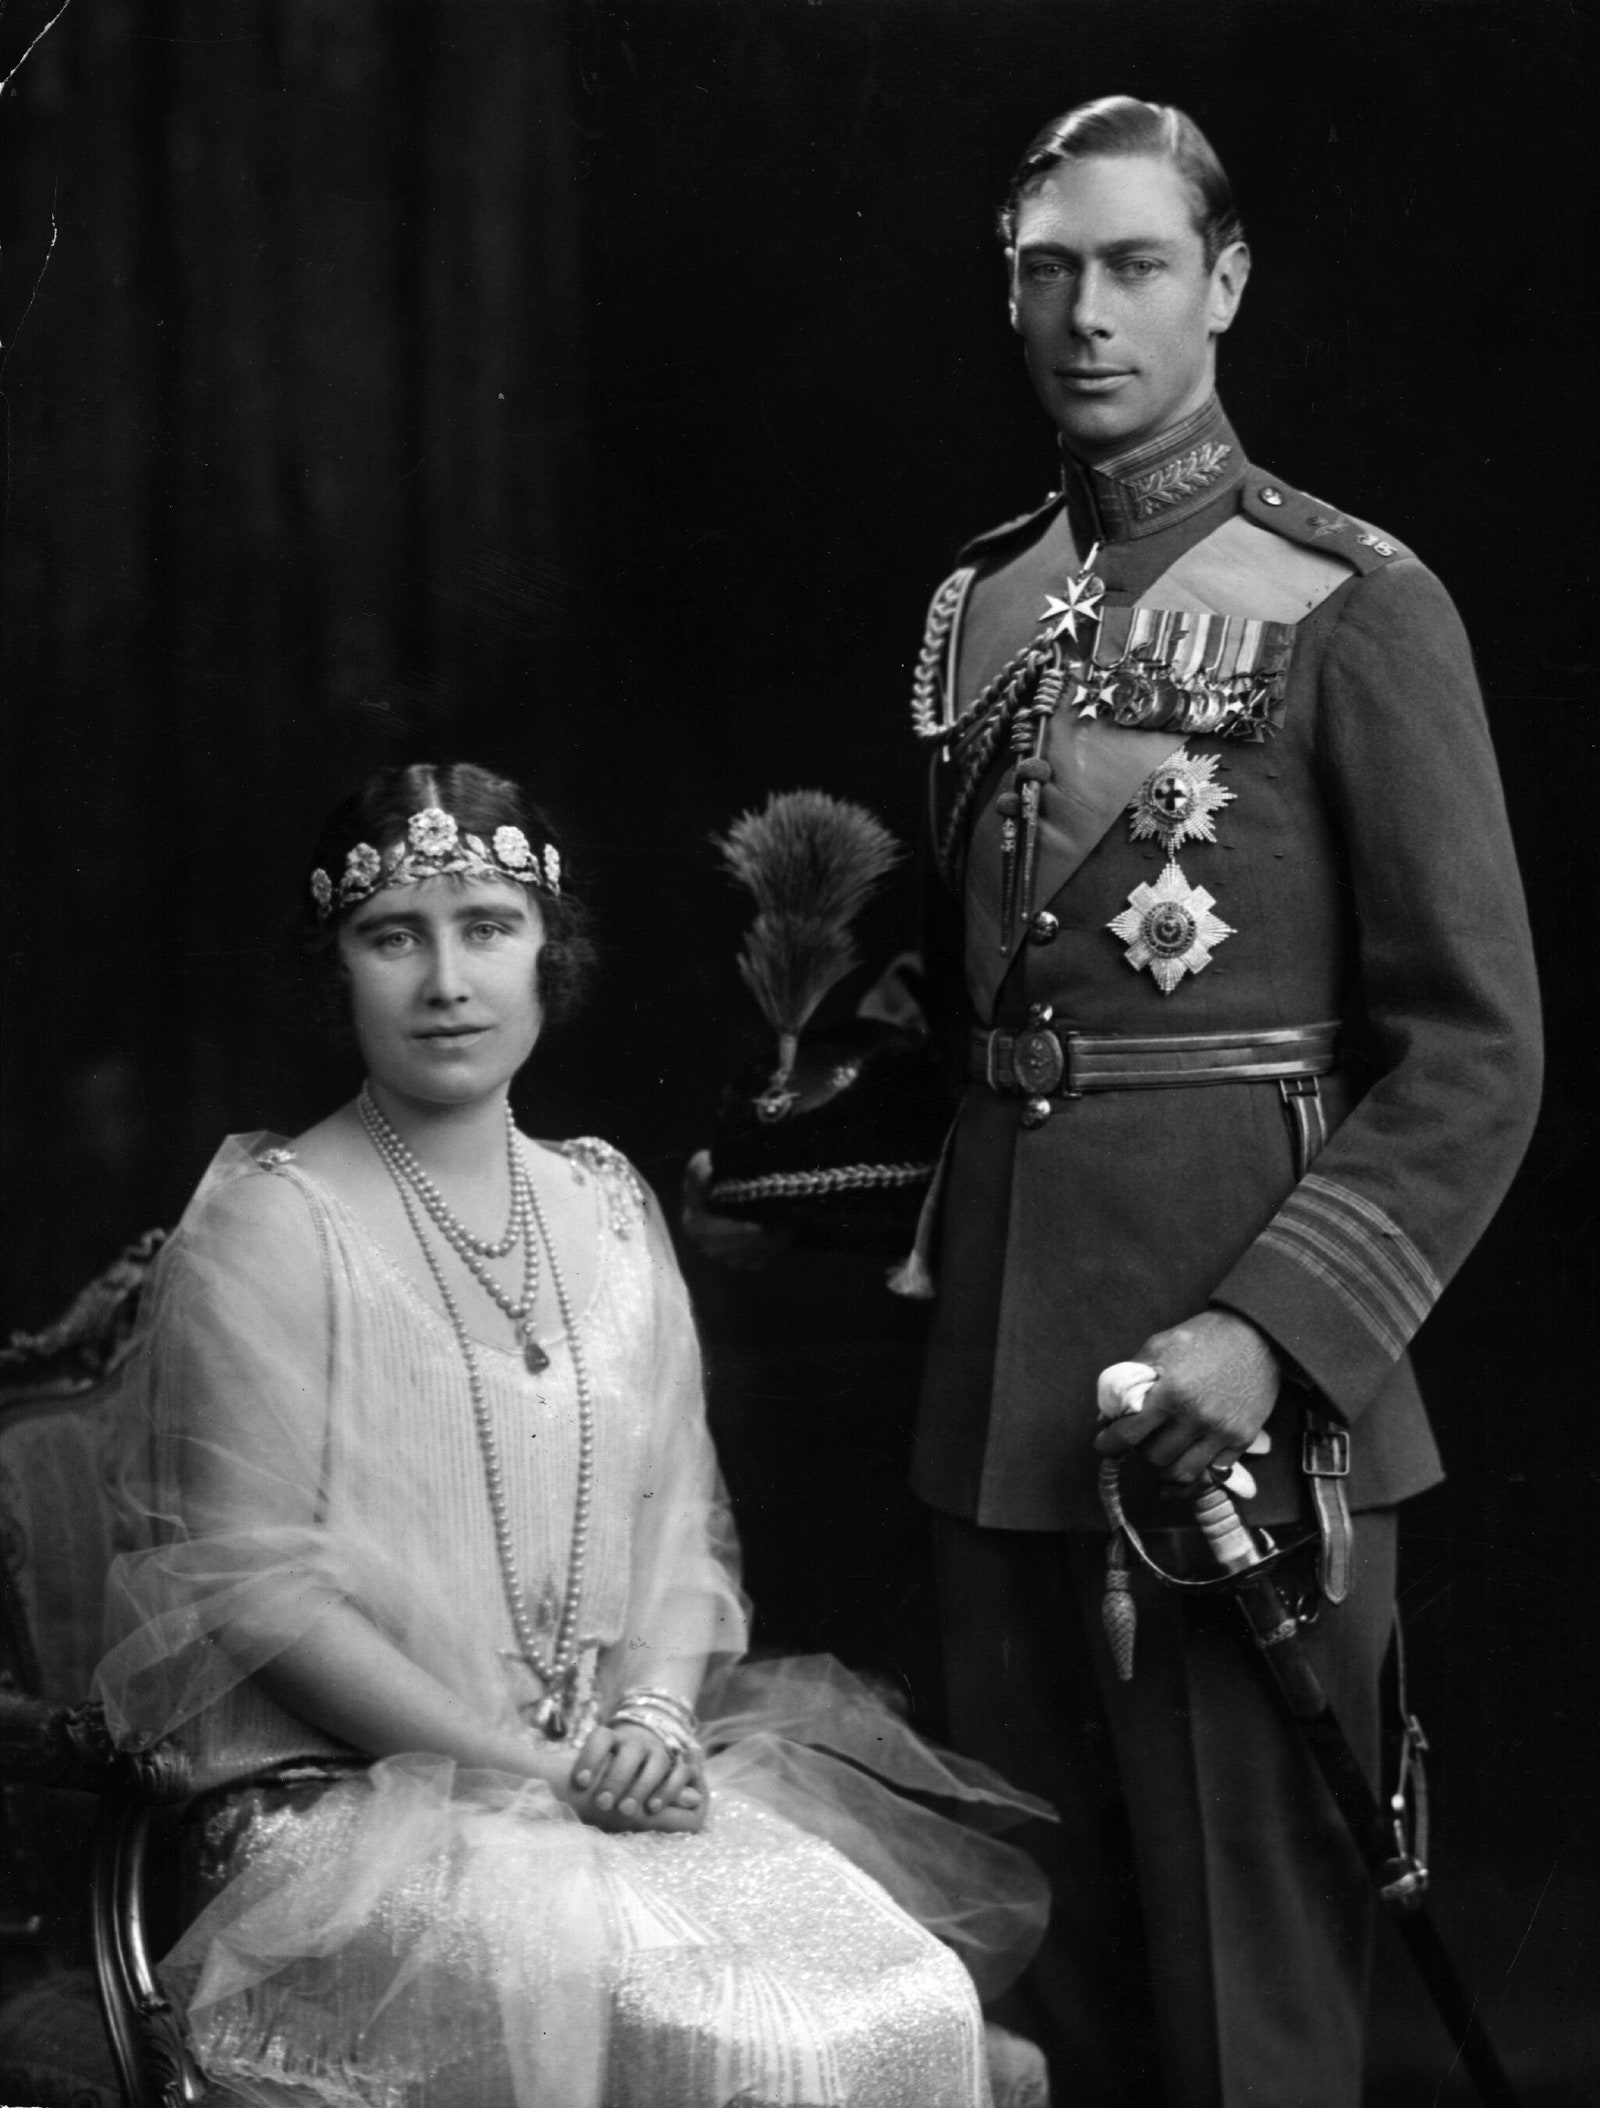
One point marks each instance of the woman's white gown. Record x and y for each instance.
(407, 1935)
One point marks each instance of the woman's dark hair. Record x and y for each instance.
(478, 802)
(1121, 125)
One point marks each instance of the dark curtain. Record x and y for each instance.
(597, 388)
(297, 485)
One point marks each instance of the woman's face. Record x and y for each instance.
(443, 986)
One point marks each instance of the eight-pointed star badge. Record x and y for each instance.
(1176, 802)
(1170, 928)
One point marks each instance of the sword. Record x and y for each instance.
(1397, 1871)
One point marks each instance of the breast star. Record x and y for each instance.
(1179, 801)
(1170, 928)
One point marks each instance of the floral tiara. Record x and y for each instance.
(435, 847)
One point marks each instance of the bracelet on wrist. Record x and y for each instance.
(661, 1713)
(665, 1705)
(676, 1743)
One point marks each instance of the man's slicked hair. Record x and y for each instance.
(1120, 125)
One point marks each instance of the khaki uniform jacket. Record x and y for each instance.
(1363, 870)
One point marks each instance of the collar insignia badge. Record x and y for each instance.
(1179, 801)
(1170, 928)
(1079, 602)
(1183, 477)
(1322, 523)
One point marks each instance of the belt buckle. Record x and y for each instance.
(1038, 1060)
(1325, 1453)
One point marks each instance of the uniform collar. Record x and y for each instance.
(1167, 479)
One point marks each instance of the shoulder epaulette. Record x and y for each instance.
(998, 538)
(1298, 517)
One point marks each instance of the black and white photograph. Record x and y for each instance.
(798, 1294)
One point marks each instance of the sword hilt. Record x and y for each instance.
(1232, 1546)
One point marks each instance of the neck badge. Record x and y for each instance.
(1079, 602)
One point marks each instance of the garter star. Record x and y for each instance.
(1170, 928)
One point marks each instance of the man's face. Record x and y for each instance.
(1111, 297)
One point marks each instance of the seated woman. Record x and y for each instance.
(431, 1565)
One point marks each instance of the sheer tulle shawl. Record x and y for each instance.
(296, 1431)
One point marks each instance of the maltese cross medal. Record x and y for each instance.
(1170, 928)
(1178, 802)
(1079, 603)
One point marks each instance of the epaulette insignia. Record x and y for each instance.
(624, 1189)
(995, 537)
(1298, 517)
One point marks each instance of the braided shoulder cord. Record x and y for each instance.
(992, 713)
(925, 682)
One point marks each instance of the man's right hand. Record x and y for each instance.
(744, 1246)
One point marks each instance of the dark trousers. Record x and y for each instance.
(1210, 1933)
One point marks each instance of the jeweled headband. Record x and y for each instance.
(435, 847)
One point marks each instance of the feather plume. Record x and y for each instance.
(811, 863)
(789, 965)
(809, 856)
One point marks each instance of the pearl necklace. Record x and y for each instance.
(470, 1250)
(559, 1671)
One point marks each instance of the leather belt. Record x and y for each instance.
(1043, 1060)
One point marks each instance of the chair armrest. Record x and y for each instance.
(149, 2041)
(70, 1746)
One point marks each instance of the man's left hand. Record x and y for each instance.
(1217, 1381)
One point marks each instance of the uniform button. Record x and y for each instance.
(1269, 496)
(1036, 1112)
(1043, 928)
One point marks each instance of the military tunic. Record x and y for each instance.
(1363, 869)
(1342, 876)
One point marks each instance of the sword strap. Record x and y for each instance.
(1324, 1442)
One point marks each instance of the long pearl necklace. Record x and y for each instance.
(472, 1251)
(559, 1671)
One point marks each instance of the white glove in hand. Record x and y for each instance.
(1121, 1389)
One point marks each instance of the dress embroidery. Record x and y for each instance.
(627, 1197)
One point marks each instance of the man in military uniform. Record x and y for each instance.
(1250, 1021)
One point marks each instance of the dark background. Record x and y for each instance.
(597, 390)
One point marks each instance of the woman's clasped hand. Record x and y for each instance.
(625, 1778)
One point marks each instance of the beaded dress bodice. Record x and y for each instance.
(396, 1380)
